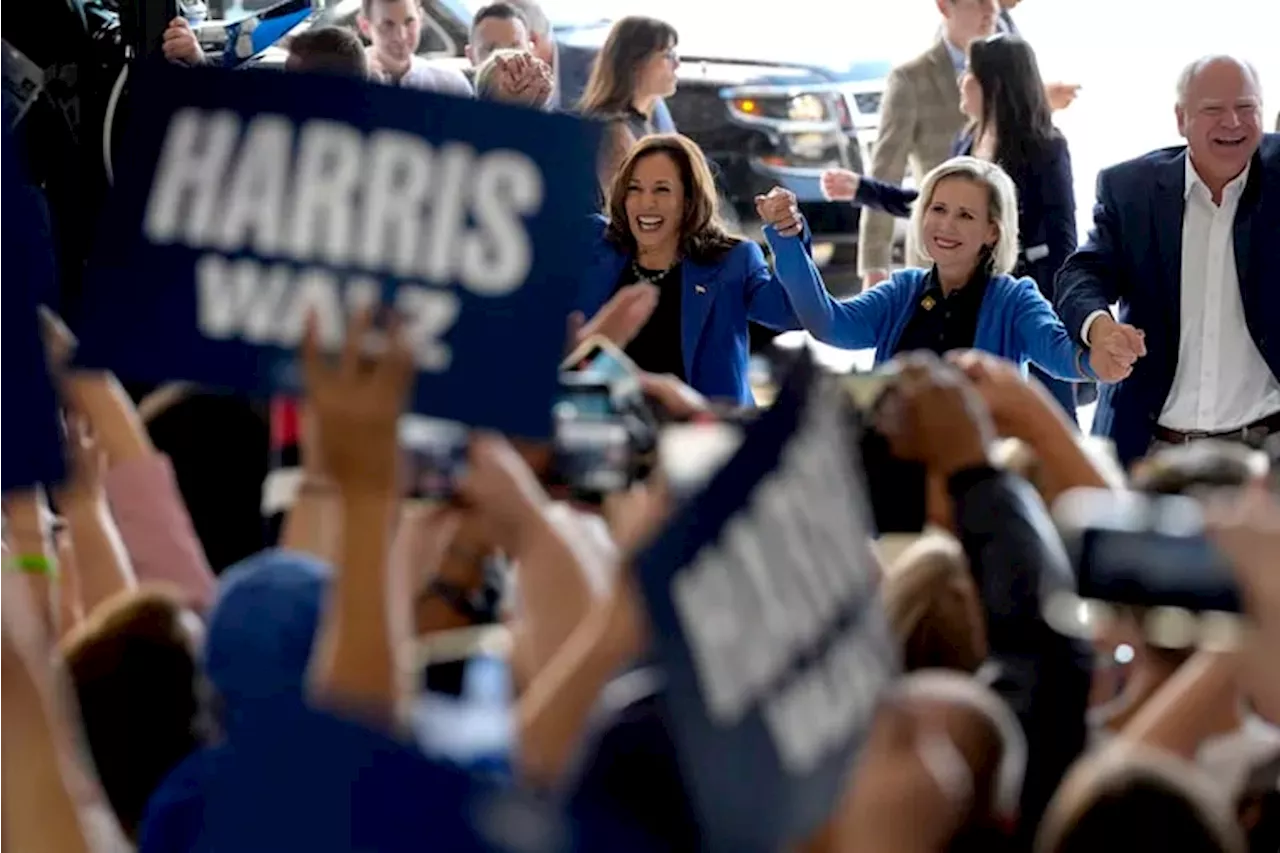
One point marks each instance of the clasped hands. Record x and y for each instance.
(1114, 348)
(522, 78)
(780, 209)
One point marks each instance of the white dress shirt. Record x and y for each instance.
(433, 78)
(1222, 382)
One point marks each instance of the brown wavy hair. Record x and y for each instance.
(703, 237)
(612, 85)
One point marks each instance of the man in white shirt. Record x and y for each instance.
(1187, 241)
(394, 27)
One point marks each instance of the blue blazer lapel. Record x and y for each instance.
(698, 290)
(1168, 207)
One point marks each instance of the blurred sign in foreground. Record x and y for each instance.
(762, 596)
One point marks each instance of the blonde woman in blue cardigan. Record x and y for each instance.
(966, 221)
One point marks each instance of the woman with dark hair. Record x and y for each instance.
(634, 70)
(663, 230)
(1011, 124)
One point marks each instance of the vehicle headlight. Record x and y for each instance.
(806, 108)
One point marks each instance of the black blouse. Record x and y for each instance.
(942, 323)
(658, 347)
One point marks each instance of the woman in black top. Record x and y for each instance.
(1011, 125)
(634, 70)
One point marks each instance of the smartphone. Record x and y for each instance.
(593, 457)
(1145, 550)
(689, 455)
(602, 358)
(895, 487)
(583, 396)
(434, 454)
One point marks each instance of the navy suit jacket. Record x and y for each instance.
(1134, 257)
(717, 301)
(573, 68)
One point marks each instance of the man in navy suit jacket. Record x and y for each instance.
(571, 65)
(1187, 241)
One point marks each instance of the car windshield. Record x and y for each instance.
(835, 34)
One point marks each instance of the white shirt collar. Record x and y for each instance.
(1193, 179)
(959, 59)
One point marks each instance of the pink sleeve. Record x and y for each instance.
(156, 529)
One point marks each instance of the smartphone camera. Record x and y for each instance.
(435, 455)
(604, 436)
(897, 488)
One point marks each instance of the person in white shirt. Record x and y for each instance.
(1185, 241)
(394, 28)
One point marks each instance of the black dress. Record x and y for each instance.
(658, 348)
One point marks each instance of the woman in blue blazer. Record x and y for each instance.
(966, 220)
(1011, 124)
(662, 229)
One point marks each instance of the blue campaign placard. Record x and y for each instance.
(301, 779)
(32, 434)
(762, 594)
(248, 200)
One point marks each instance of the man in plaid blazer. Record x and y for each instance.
(920, 119)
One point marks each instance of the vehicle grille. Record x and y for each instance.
(868, 103)
(697, 109)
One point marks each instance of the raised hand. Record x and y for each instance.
(357, 402)
(840, 184)
(180, 43)
(1061, 95)
(621, 318)
(501, 488)
(781, 210)
(1012, 400)
(932, 414)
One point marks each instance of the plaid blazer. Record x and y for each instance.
(919, 121)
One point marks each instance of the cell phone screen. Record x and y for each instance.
(434, 454)
(592, 402)
(593, 457)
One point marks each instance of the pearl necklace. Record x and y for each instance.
(642, 278)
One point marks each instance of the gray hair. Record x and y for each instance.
(1194, 67)
(1002, 200)
(533, 14)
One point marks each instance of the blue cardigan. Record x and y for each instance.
(716, 302)
(1015, 322)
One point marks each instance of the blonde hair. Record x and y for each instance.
(1002, 202)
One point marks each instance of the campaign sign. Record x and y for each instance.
(32, 434)
(250, 200)
(299, 779)
(762, 597)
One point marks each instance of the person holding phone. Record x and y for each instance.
(662, 229)
(966, 222)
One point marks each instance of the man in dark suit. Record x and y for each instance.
(571, 64)
(1184, 241)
